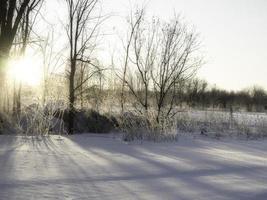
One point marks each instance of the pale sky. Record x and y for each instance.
(233, 35)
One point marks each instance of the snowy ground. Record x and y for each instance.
(94, 167)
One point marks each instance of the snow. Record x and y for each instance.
(103, 167)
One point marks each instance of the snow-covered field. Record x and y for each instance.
(248, 118)
(101, 167)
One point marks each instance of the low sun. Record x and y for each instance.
(26, 70)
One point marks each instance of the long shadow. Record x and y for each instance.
(190, 177)
(9, 145)
(193, 177)
(85, 173)
(55, 150)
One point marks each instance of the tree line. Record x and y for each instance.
(199, 94)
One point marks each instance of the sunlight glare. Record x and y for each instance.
(26, 70)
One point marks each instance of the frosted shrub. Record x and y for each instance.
(40, 120)
(141, 127)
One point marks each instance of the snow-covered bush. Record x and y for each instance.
(145, 127)
(36, 119)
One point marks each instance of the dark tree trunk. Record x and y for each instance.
(71, 98)
(4, 52)
(11, 13)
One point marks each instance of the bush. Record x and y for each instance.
(90, 121)
(97, 123)
(140, 127)
(6, 125)
(37, 120)
(1, 124)
(133, 126)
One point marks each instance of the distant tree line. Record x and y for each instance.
(199, 94)
(195, 94)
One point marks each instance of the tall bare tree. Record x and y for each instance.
(177, 62)
(22, 37)
(134, 21)
(142, 58)
(160, 57)
(82, 30)
(11, 14)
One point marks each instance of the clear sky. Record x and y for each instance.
(233, 34)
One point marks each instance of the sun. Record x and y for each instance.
(25, 70)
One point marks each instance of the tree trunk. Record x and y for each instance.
(4, 52)
(71, 98)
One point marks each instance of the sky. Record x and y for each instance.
(233, 35)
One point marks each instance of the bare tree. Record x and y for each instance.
(176, 63)
(52, 60)
(11, 14)
(81, 76)
(162, 57)
(134, 22)
(22, 40)
(144, 48)
(82, 29)
(85, 72)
